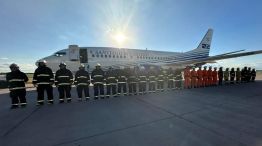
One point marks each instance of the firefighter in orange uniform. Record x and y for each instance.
(187, 77)
(199, 77)
(204, 73)
(193, 74)
(214, 75)
(209, 76)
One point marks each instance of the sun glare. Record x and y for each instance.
(120, 38)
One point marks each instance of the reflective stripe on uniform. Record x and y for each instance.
(43, 75)
(15, 104)
(17, 80)
(111, 77)
(50, 100)
(16, 88)
(81, 84)
(63, 77)
(23, 103)
(61, 99)
(98, 83)
(43, 83)
(160, 80)
(152, 76)
(121, 82)
(142, 76)
(152, 81)
(111, 84)
(142, 81)
(40, 101)
(98, 76)
(64, 84)
(82, 77)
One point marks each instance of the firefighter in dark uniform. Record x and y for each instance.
(160, 80)
(64, 80)
(142, 80)
(238, 75)
(152, 80)
(178, 79)
(220, 76)
(111, 82)
(82, 81)
(122, 80)
(16, 83)
(253, 75)
(232, 75)
(243, 75)
(132, 81)
(43, 79)
(170, 77)
(98, 77)
(249, 74)
(226, 75)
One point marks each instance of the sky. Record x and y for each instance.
(33, 29)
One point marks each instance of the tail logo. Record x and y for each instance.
(205, 46)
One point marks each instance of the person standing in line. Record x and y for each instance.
(16, 83)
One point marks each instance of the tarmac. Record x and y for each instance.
(214, 116)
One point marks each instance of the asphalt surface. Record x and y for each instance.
(214, 116)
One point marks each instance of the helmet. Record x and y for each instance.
(98, 64)
(215, 67)
(210, 67)
(42, 61)
(13, 65)
(142, 68)
(82, 66)
(205, 67)
(62, 64)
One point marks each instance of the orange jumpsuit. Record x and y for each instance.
(214, 74)
(187, 78)
(200, 78)
(193, 78)
(210, 77)
(204, 73)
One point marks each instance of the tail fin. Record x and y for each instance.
(205, 44)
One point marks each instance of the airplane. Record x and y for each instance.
(74, 55)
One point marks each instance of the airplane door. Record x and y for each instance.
(83, 56)
(73, 53)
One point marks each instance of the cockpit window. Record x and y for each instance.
(60, 54)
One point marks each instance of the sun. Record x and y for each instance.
(120, 38)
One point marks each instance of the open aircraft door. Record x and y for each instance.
(73, 53)
(83, 56)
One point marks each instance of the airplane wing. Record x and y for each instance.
(212, 59)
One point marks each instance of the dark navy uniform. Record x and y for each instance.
(178, 79)
(170, 77)
(111, 82)
(64, 80)
(238, 75)
(232, 76)
(160, 80)
(142, 77)
(220, 76)
(122, 80)
(152, 80)
(44, 79)
(253, 75)
(249, 74)
(132, 82)
(98, 77)
(82, 81)
(16, 80)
